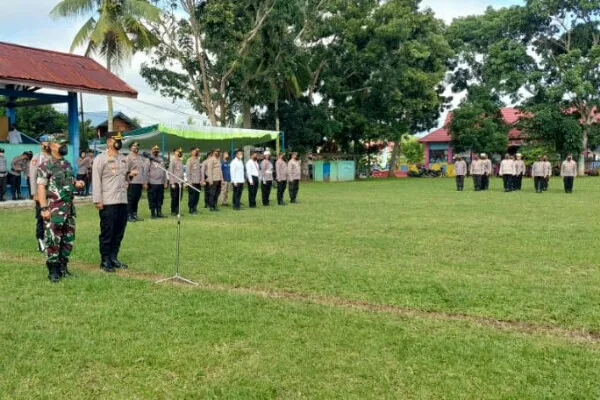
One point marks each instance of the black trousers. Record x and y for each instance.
(237, 195)
(568, 181)
(39, 224)
(477, 182)
(485, 182)
(294, 187)
(460, 182)
(215, 191)
(176, 195)
(194, 197)
(156, 197)
(3, 181)
(134, 194)
(265, 189)
(84, 178)
(252, 192)
(113, 221)
(15, 184)
(545, 183)
(207, 196)
(280, 191)
(508, 182)
(538, 183)
(518, 182)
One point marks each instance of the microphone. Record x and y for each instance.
(149, 156)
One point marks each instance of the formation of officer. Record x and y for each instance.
(568, 171)
(110, 179)
(136, 183)
(156, 177)
(55, 193)
(175, 177)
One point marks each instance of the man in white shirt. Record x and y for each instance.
(507, 171)
(253, 175)
(14, 136)
(237, 178)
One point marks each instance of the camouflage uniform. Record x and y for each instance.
(57, 175)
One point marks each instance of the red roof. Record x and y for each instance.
(442, 135)
(28, 66)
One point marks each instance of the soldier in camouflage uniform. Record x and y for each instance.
(56, 186)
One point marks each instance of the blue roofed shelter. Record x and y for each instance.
(25, 72)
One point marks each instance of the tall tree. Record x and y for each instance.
(546, 49)
(116, 30)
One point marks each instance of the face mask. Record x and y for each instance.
(63, 150)
(117, 145)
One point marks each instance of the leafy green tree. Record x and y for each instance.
(412, 150)
(115, 31)
(36, 120)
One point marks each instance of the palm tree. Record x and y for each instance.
(115, 31)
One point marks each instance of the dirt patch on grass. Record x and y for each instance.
(577, 335)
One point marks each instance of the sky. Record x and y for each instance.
(27, 22)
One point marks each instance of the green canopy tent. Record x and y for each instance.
(205, 137)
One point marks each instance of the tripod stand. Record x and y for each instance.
(182, 184)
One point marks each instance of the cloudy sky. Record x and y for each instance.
(27, 22)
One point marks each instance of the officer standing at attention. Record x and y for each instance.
(487, 172)
(266, 168)
(204, 176)
(507, 171)
(519, 171)
(295, 173)
(55, 192)
(460, 170)
(17, 166)
(281, 172)
(157, 183)
(476, 172)
(237, 179)
(110, 178)
(547, 172)
(214, 176)
(568, 171)
(176, 168)
(37, 160)
(538, 172)
(253, 176)
(194, 178)
(226, 182)
(136, 184)
(3, 174)
(83, 166)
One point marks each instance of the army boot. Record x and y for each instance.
(53, 271)
(115, 263)
(105, 264)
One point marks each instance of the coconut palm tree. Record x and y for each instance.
(115, 31)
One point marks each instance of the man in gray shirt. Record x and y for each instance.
(176, 168)
(42, 157)
(460, 170)
(156, 183)
(136, 184)
(194, 177)
(110, 178)
(266, 169)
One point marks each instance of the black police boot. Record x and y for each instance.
(115, 263)
(106, 265)
(53, 271)
(64, 270)
(153, 213)
(137, 218)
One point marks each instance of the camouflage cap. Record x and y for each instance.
(60, 139)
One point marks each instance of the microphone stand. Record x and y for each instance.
(182, 184)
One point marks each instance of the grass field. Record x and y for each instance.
(375, 289)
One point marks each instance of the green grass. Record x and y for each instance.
(415, 244)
